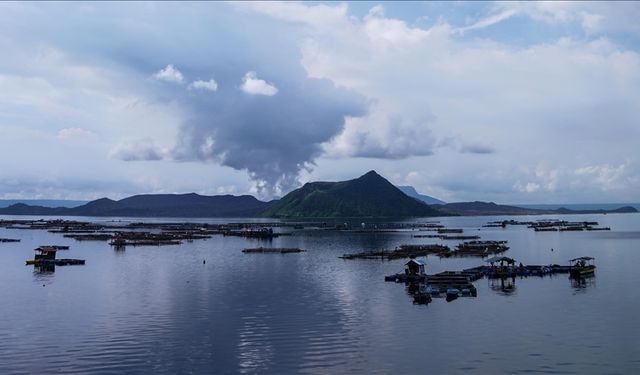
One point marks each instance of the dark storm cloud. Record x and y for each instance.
(271, 137)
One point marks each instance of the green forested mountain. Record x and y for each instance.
(370, 195)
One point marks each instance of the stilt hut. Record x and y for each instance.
(414, 267)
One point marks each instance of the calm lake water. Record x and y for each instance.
(161, 310)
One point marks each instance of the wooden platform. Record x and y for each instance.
(56, 262)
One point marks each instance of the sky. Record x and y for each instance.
(511, 102)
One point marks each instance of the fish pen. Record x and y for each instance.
(479, 249)
(272, 250)
(404, 251)
(9, 240)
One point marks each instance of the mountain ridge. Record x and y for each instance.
(152, 205)
(369, 195)
(411, 191)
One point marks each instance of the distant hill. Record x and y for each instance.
(154, 205)
(478, 208)
(620, 210)
(411, 191)
(24, 209)
(489, 208)
(42, 202)
(370, 195)
(580, 206)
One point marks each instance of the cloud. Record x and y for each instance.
(209, 85)
(108, 78)
(578, 184)
(530, 187)
(607, 177)
(273, 140)
(390, 31)
(476, 148)
(169, 74)
(594, 17)
(252, 85)
(551, 89)
(382, 135)
(488, 21)
(75, 134)
(375, 89)
(319, 15)
(137, 150)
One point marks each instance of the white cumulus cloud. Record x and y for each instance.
(210, 85)
(382, 135)
(252, 85)
(169, 74)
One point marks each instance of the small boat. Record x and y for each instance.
(582, 267)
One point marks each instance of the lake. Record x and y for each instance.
(161, 310)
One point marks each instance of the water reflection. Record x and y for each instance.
(43, 273)
(44, 268)
(418, 293)
(255, 352)
(582, 284)
(412, 288)
(119, 249)
(505, 286)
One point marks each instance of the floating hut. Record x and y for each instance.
(504, 269)
(582, 267)
(413, 272)
(46, 255)
(414, 267)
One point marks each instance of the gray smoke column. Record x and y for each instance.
(271, 136)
